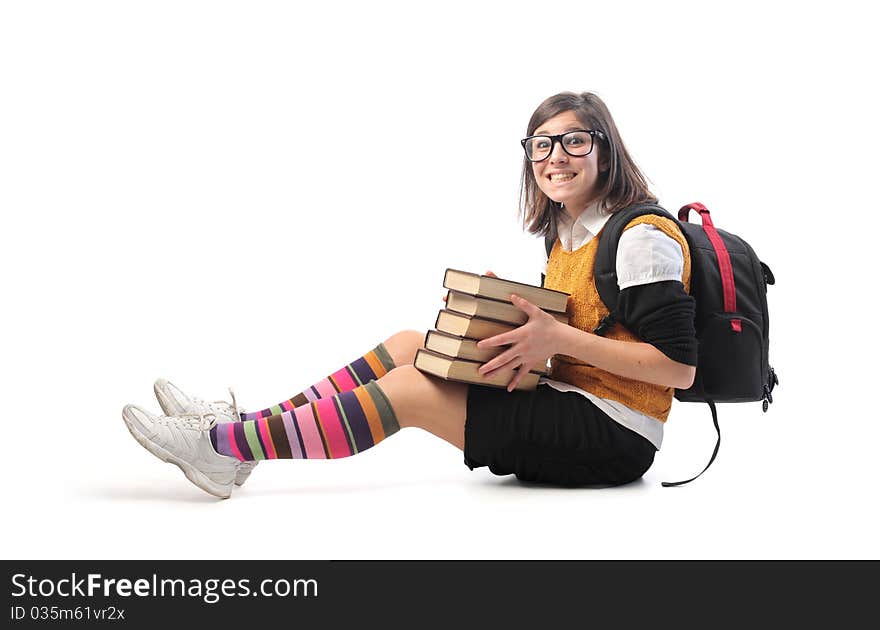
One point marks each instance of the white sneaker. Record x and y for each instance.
(175, 402)
(184, 441)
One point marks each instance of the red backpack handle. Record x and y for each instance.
(727, 283)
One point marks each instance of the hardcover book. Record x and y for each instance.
(464, 371)
(469, 326)
(500, 289)
(457, 347)
(491, 309)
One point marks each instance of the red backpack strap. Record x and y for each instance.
(728, 285)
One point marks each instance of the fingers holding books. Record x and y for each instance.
(530, 344)
(497, 362)
(515, 365)
(520, 373)
(509, 360)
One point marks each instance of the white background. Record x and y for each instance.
(255, 193)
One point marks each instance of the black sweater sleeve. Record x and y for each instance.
(662, 314)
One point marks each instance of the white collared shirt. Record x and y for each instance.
(644, 255)
(576, 232)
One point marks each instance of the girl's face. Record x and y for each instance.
(562, 177)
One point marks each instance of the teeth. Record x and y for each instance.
(561, 177)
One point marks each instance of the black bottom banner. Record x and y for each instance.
(413, 594)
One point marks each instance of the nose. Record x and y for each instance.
(557, 153)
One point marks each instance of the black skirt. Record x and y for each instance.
(548, 436)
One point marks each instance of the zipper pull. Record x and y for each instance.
(767, 399)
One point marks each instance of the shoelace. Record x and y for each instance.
(221, 406)
(203, 421)
(194, 421)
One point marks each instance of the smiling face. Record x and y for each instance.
(564, 178)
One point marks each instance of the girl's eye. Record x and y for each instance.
(574, 141)
(542, 144)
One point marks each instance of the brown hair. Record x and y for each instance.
(620, 185)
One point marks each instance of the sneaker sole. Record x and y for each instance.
(244, 471)
(193, 474)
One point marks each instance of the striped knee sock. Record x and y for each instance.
(375, 364)
(328, 428)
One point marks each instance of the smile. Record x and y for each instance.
(561, 177)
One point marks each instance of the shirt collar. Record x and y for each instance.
(592, 219)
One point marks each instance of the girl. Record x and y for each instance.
(598, 418)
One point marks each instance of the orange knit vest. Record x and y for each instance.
(572, 272)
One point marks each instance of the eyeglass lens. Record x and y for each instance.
(576, 143)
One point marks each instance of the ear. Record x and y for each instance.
(603, 162)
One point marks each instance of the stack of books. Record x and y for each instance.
(479, 307)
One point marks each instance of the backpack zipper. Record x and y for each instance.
(772, 381)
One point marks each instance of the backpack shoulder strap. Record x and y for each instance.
(605, 266)
(550, 238)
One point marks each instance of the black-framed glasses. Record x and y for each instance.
(576, 143)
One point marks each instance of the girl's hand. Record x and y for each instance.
(530, 344)
(488, 273)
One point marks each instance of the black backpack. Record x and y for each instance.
(729, 286)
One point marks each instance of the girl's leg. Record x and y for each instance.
(397, 350)
(432, 404)
(351, 422)
(212, 453)
(402, 346)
